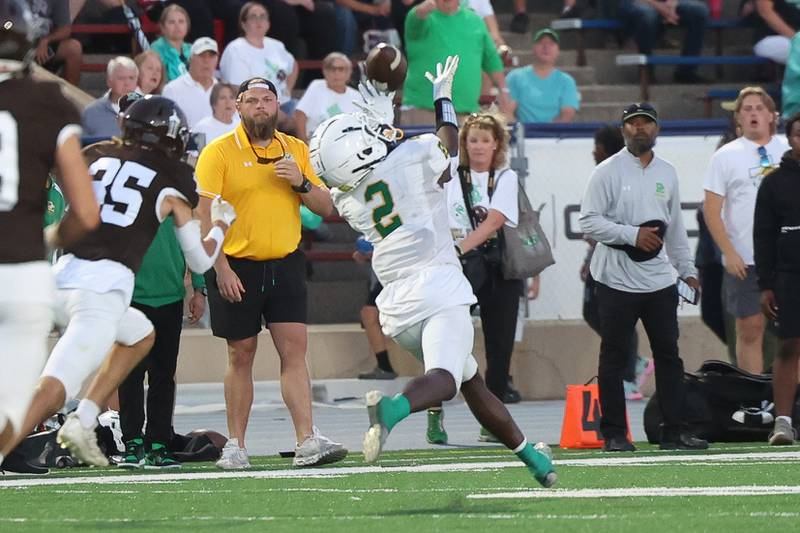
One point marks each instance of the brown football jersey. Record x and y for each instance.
(130, 183)
(32, 116)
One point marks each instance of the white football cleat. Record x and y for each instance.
(81, 442)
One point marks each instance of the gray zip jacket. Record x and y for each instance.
(619, 197)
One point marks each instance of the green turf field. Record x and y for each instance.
(728, 488)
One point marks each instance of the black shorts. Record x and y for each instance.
(374, 288)
(275, 291)
(787, 296)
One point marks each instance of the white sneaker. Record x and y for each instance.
(318, 450)
(783, 434)
(233, 457)
(81, 442)
(375, 436)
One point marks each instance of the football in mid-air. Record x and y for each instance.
(386, 67)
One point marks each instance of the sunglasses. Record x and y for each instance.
(762, 153)
(269, 160)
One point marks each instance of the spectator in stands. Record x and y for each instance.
(607, 142)
(492, 188)
(778, 22)
(307, 28)
(224, 117)
(327, 97)
(172, 46)
(255, 54)
(731, 185)
(790, 87)
(520, 21)
(542, 92)
(100, 117)
(192, 91)
(776, 237)
(434, 29)
(634, 278)
(352, 15)
(203, 12)
(51, 26)
(152, 74)
(645, 19)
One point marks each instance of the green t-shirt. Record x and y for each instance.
(160, 279)
(430, 41)
(173, 63)
(791, 80)
(55, 207)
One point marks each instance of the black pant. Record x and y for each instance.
(160, 366)
(619, 312)
(499, 302)
(591, 314)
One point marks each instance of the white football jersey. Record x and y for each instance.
(401, 210)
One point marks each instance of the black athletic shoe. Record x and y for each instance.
(15, 463)
(682, 441)
(618, 444)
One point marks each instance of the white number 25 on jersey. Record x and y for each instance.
(110, 179)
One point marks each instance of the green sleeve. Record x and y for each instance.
(491, 61)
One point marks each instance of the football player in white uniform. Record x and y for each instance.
(392, 193)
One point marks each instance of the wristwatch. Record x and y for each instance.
(304, 187)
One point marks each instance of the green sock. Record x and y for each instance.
(393, 410)
(538, 463)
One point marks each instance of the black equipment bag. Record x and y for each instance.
(723, 404)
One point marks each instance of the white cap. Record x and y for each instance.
(204, 44)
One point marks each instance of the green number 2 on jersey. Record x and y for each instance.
(383, 211)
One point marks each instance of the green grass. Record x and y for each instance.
(419, 501)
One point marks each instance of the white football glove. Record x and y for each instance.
(443, 81)
(222, 211)
(377, 105)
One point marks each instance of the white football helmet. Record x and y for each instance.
(345, 148)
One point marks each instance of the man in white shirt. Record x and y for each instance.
(224, 118)
(731, 186)
(192, 91)
(632, 208)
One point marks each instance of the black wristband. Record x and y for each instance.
(304, 187)
(445, 113)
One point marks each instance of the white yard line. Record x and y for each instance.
(326, 473)
(636, 492)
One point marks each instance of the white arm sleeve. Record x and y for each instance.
(189, 238)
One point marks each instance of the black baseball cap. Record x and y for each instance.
(256, 83)
(640, 109)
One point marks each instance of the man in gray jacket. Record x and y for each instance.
(632, 208)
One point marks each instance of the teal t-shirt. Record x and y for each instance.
(430, 41)
(175, 66)
(160, 279)
(790, 89)
(541, 100)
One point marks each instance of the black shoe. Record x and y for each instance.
(689, 77)
(682, 441)
(15, 463)
(520, 22)
(511, 395)
(618, 444)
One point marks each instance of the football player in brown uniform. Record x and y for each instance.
(39, 130)
(139, 180)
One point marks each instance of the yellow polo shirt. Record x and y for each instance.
(267, 222)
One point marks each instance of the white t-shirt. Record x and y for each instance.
(504, 198)
(482, 7)
(213, 128)
(191, 97)
(319, 103)
(241, 61)
(735, 173)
